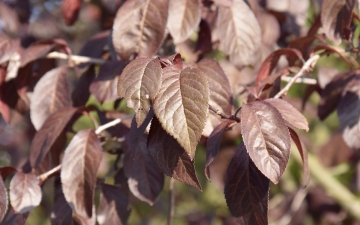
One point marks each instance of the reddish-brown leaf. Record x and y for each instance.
(213, 144)
(331, 94)
(104, 85)
(70, 11)
(181, 105)
(51, 94)
(289, 113)
(113, 206)
(303, 153)
(6, 171)
(329, 49)
(240, 33)
(94, 47)
(266, 138)
(61, 213)
(139, 27)
(80, 164)
(246, 189)
(47, 135)
(184, 18)
(203, 43)
(349, 114)
(25, 192)
(3, 199)
(144, 178)
(169, 156)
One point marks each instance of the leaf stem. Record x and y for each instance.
(171, 201)
(46, 175)
(112, 123)
(223, 116)
(307, 67)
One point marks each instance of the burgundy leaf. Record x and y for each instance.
(25, 192)
(13, 218)
(203, 43)
(7, 47)
(4, 106)
(81, 93)
(246, 189)
(80, 164)
(349, 114)
(61, 213)
(47, 135)
(144, 178)
(51, 94)
(331, 94)
(70, 11)
(3, 199)
(184, 18)
(182, 105)
(240, 33)
(169, 156)
(94, 47)
(221, 94)
(289, 113)
(139, 84)
(213, 144)
(303, 153)
(266, 138)
(6, 171)
(104, 85)
(113, 206)
(139, 27)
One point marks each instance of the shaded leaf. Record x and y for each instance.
(289, 113)
(240, 33)
(138, 84)
(70, 11)
(349, 114)
(203, 43)
(13, 218)
(7, 47)
(169, 156)
(6, 171)
(113, 206)
(94, 47)
(144, 35)
(266, 138)
(3, 199)
(184, 18)
(144, 178)
(51, 94)
(331, 94)
(46, 137)
(182, 105)
(25, 192)
(213, 144)
(80, 164)
(81, 94)
(61, 213)
(303, 153)
(246, 189)
(104, 85)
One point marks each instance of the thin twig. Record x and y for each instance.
(113, 123)
(77, 59)
(96, 124)
(171, 201)
(46, 175)
(302, 80)
(223, 116)
(307, 67)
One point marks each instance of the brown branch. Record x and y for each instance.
(46, 175)
(113, 123)
(224, 116)
(77, 59)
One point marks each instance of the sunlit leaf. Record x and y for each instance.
(169, 156)
(184, 18)
(138, 84)
(7, 47)
(139, 27)
(51, 94)
(25, 192)
(80, 164)
(240, 33)
(182, 105)
(266, 138)
(246, 189)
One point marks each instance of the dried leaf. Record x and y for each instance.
(113, 206)
(70, 11)
(25, 192)
(246, 189)
(3, 199)
(184, 18)
(80, 164)
(266, 138)
(240, 34)
(138, 84)
(169, 156)
(104, 85)
(45, 138)
(61, 213)
(182, 105)
(289, 113)
(144, 35)
(51, 94)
